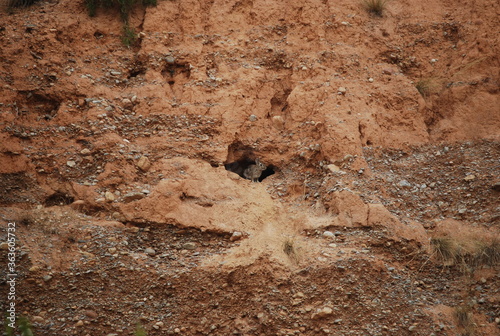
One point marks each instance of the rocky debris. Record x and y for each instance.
(441, 178)
(348, 284)
(136, 106)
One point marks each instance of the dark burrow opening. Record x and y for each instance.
(58, 198)
(39, 103)
(239, 166)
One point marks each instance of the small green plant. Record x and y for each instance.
(139, 330)
(124, 7)
(25, 326)
(129, 36)
(91, 7)
(9, 331)
(375, 7)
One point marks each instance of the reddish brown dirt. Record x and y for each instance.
(122, 167)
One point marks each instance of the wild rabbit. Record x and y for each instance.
(254, 171)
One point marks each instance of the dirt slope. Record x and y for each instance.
(123, 167)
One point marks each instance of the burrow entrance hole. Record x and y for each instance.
(240, 157)
(58, 198)
(239, 167)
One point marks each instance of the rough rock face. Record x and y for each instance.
(123, 167)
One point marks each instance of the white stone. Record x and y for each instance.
(149, 251)
(328, 234)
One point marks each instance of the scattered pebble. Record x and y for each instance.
(144, 164)
(189, 246)
(149, 251)
(328, 234)
(236, 236)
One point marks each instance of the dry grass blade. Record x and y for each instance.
(375, 7)
(291, 250)
(16, 3)
(445, 249)
(488, 254)
(463, 317)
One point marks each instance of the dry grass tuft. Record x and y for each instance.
(428, 86)
(291, 250)
(446, 250)
(9, 4)
(425, 87)
(27, 219)
(464, 319)
(468, 254)
(375, 7)
(488, 253)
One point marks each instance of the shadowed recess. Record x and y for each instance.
(239, 166)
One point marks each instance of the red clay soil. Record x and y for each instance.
(123, 168)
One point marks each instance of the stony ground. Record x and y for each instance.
(122, 167)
